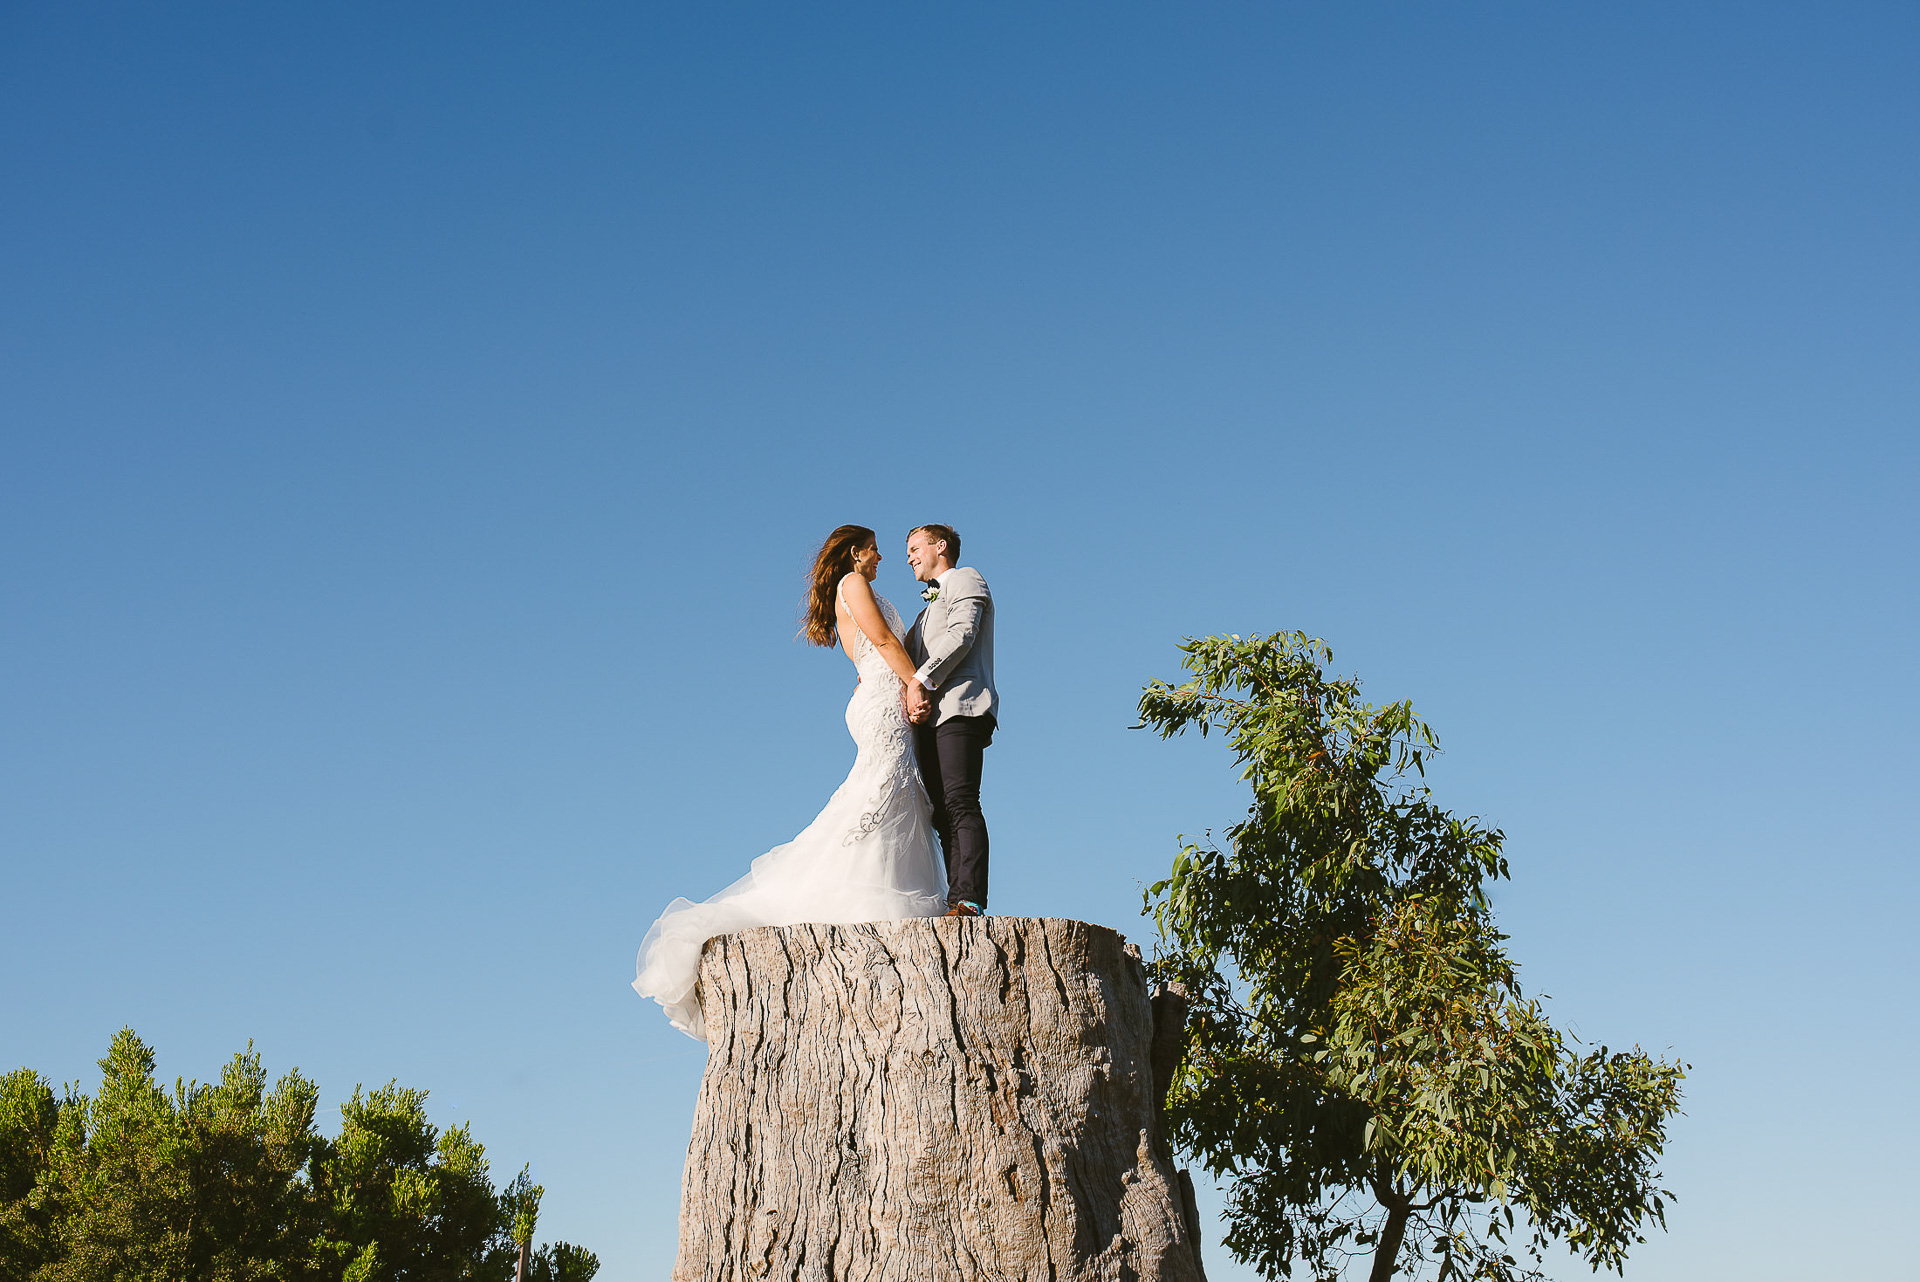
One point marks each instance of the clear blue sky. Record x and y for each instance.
(415, 420)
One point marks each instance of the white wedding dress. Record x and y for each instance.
(869, 856)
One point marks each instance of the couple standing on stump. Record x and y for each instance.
(921, 718)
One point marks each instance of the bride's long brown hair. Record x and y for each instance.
(833, 562)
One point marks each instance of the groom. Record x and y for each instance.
(952, 704)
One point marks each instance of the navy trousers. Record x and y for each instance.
(950, 755)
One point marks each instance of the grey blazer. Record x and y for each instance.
(952, 641)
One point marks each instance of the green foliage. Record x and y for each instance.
(1362, 1068)
(522, 1199)
(559, 1262)
(231, 1182)
(29, 1116)
(196, 1182)
(403, 1199)
(562, 1262)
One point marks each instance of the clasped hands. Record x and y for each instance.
(915, 702)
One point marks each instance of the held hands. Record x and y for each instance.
(915, 702)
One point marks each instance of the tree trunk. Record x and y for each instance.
(1386, 1256)
(944, 1100)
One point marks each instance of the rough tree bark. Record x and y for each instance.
(946, 1100)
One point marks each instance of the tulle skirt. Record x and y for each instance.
(870, 855)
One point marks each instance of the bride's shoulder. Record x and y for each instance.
(855, 582)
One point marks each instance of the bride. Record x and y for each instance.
(870, 855)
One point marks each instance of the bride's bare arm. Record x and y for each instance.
(858, 594)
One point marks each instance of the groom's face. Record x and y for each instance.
(923, 554)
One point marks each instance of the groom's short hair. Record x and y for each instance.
(945, 534)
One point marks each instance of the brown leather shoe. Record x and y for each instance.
(965, 908)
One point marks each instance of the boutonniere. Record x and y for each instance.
(930, 593)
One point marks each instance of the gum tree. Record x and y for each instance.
(1363, 1071)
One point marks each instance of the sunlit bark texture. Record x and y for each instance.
(941, 1100)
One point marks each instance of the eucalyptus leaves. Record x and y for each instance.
(1362, 1069)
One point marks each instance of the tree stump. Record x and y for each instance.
(944, 1099)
